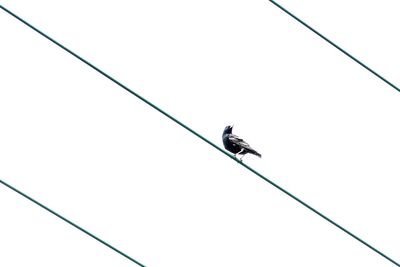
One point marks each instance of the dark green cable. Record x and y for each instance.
(336, 46)
(71, 223)
(200, 136)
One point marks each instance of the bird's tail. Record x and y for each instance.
(255, 153)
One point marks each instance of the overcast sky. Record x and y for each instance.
(327, 129)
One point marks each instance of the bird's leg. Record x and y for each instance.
(241, 152)
(236, 157)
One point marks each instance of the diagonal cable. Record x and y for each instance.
(336, 46)
(201, 137)
(71, 223)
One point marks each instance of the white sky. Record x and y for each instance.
(328, 131)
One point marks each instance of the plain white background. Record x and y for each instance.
(328, 131)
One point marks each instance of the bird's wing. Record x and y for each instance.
(238, 141)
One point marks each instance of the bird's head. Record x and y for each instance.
(228, 129)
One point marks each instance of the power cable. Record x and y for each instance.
(201, 137)
(71, 223)
(336, 46)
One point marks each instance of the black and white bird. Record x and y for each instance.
(236, 145)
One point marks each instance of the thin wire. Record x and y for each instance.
(71, 223)
(203, 138)
(336, 46)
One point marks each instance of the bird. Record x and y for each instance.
(235, 144)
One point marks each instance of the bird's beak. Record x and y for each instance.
(232, 126)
